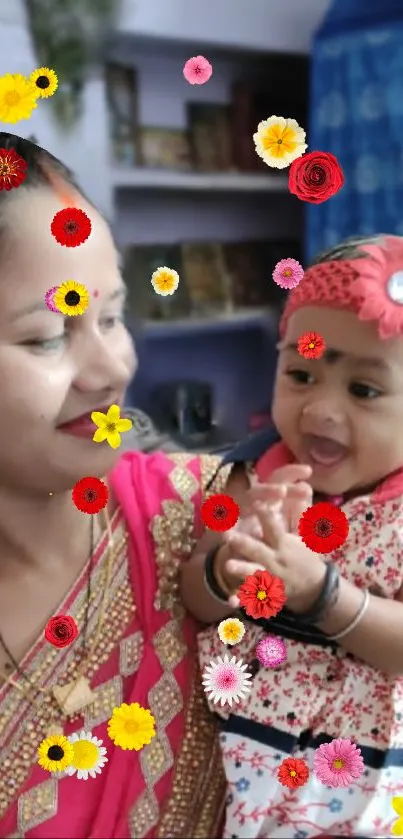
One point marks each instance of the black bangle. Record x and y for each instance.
(327, 597)
(209, 579)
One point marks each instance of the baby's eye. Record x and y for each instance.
(300, 377)
(362, 391)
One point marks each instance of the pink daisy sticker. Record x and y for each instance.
(226, 681)
(271, 651)
(49, 298)
(197, 70)
(338, 764)
(288, 273)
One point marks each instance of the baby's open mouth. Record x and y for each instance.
(323, 451)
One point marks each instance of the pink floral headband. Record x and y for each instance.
(372, 287)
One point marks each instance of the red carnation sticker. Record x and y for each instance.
(61, 630)
(262, 595)
(220, 512)
(90, 495)
(323, 527)
(71, 227)
(311, 345)
(13, 169)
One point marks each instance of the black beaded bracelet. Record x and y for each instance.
(210, 581)
(326, 599)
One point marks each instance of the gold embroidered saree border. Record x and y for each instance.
(23, 725)
(197, 797)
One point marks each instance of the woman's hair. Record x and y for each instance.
(349, 249)
(43, 169)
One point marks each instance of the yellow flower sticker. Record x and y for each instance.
(17, 97)
(165, 281)
(231, 631)
(397, 804)
(279, 141)
(131, 726)
(110, 426)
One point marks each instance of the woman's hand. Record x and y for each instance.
(283, 554)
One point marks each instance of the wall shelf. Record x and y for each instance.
(226, 322)
(234, 182)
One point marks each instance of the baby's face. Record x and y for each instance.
(342, 414)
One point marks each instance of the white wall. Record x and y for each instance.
(267, 24)
(278, 25)
(85, 149)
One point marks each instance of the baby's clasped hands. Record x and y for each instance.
(282, 554)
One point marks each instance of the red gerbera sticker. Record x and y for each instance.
(323, 527)
(90, 495)
(311, 345)
(13, 169)
(71, 227)
(220, 512)
(61, 630)
(262, 595)
(293, 773)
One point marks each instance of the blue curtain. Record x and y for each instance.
(356, 113)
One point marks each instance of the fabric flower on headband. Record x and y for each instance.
(380, 286)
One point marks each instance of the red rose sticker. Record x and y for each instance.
(315, 177)
(61, 630)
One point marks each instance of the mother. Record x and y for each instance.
(117, 577)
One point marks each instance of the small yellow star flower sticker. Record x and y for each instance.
(397, 804)
(110, 426)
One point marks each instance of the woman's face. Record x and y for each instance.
(55, 368)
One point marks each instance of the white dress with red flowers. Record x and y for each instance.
(318, 694)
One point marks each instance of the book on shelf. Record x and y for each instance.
(140, 262)
(281, 88)
(206, 276)
(122, 99)
(243, 128)
(214, 278)
(250, 266)
(210, 137)
(165, 148)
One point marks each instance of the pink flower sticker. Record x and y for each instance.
(197, 70)
(338, 764)
(271, 651)
(288, 273)
(49, 298)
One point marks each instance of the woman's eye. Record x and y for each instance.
(112, 321)
(361, 391)
(47, 343)
(301, 377)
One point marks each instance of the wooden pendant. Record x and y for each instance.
(74, 697)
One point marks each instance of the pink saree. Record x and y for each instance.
(146, 653)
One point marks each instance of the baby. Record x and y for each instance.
(339, 420)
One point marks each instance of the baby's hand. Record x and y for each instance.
(287, 492)
(285, 496)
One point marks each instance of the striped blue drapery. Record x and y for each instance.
(357, 114)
